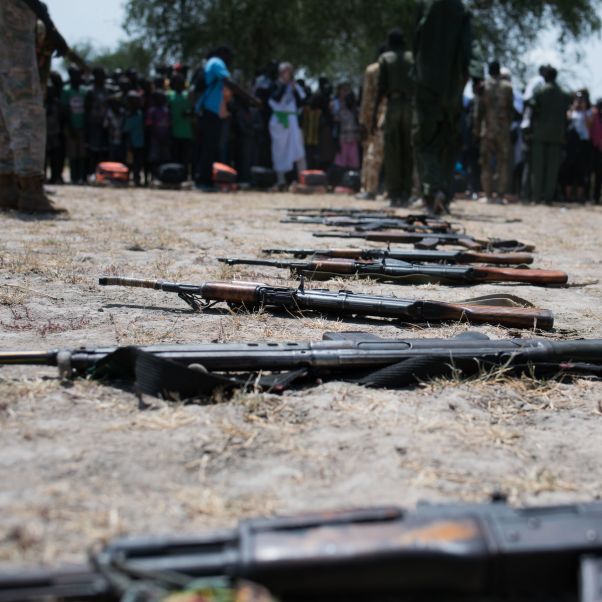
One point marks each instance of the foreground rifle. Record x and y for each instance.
(183, 372)
(507, 311)
(402, 272)
(435, 552)
(431, 241)
(451, 257)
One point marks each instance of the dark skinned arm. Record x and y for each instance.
(242, 94)
(55, 39)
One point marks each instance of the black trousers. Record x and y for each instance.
(210, 134)
(137, 164)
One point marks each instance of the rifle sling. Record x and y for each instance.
(160, 377)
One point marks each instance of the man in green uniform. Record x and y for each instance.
(550, 104)
(442, 55)
(22, 116)
(395, 84)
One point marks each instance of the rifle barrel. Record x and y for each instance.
(33, 358)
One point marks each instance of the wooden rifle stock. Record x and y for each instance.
(496, 258)
(335, 266)
(239, 293)
(511, 317)
(539, 277)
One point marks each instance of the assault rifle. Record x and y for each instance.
(410, 223)
(183, 372)
(326, 211)
(501, 309)
(402, 272)
(431, 241)
(434, 552)
(413, 256)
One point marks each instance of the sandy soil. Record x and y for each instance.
(81, 462)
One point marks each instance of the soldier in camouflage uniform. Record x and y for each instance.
(22, 116)
(395, 84)
(442, 58)
(374, 141)
(494, 113)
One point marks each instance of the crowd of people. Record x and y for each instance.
(409, 127)
(196, 119)
(539, 143)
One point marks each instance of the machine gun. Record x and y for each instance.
(413, 256)
(434, 552)
(431, 241)
(402, 272)
(501, 309)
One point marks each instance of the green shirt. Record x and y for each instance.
(550, 104)
(395, 79)
(181, 124)
(74, 101)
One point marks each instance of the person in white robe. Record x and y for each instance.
(288, 149)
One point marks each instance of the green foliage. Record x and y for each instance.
(132, 53)
(336, 37)
(508, 29)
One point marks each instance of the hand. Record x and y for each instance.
(61, 48)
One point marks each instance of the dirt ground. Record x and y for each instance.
(82, 462)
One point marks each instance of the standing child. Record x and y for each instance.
(72, 100)
(96, 105)
(181, 121)
(348, 156)
(55, 153)
(133, 129)
(159, 129)
(114, 125)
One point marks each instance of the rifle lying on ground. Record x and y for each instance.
(410, 223)
(182, 372)
(505, 310)
(434, 552)
(413, 256)
(402, 272)
(326, 211)
(431, 241)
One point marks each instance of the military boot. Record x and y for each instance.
(32, 198)
(9, 193)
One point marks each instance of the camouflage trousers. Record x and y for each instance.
(498, 148)
(374, 154)
(22, 116)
